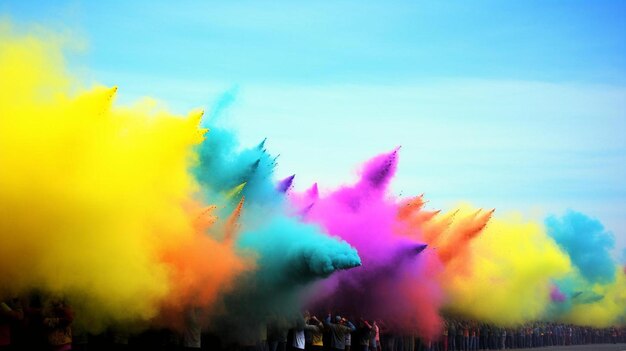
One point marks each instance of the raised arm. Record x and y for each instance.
(350, 325)
(327, 319)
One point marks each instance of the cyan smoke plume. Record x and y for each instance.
(587, 243)
(288, 253)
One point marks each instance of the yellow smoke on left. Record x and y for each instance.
(92, 195)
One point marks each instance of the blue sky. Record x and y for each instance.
(517, 105)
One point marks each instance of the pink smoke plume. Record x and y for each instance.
(397, 281)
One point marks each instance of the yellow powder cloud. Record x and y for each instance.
(94, 196)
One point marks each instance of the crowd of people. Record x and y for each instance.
(34, 324)
(464, 335)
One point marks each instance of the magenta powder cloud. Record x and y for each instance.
(396, 282)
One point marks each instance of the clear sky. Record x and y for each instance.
(517, 105)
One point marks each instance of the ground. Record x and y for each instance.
(594, 347)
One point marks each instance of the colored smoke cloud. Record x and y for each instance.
(395, 283)
(510, 268)
(556, 294)
(594, 291)
(587, 243)
(97, 201)
(290, 255)
(136, 214)
(133, 213)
